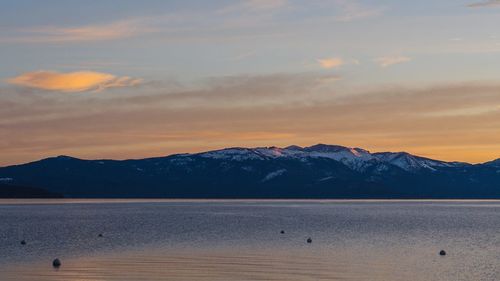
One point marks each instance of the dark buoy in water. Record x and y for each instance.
(23, 242)
(100, 235)
(309, 240)
(282, 232)
(442, 253)
(56, 263)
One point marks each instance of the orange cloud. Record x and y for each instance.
(72, 81)
(330, 62)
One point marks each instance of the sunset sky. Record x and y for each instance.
(134, 79)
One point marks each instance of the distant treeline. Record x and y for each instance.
(16, 191)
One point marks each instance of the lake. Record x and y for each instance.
(241, 240)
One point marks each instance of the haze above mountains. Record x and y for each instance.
(318, 171)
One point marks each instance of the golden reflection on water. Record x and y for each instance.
(215, 265)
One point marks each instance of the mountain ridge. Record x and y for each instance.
(317, 171)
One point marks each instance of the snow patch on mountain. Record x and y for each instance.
(410, 162)
(325, 178)
(273, 175)
(234, 154)
(247, 168)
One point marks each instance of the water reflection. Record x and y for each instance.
(241, 240)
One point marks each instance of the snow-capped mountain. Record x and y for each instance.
(318, 171)
(355, 158)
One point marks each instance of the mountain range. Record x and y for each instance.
(318, 171)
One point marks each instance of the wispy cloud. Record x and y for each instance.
(242, 56)
(488, 3)
(72, 81)
(95, 32)
(351, 10)
(391, 60)
(247, 18)
(254, 5)
(266, 4)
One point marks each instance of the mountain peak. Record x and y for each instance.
(64, 157)
(320, 147)
(293, 147)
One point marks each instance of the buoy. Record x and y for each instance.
(442, 253)
(56, 263)
(309, 240)
(100, 235)
(23, 242)
(282, 232)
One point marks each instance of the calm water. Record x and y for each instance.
(241, 240)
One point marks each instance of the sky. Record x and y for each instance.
(133, 79)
